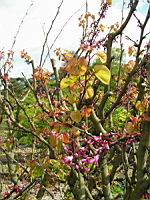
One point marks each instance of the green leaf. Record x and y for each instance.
(25, 140)
(102, 73)
(66, 82)
(38, 171)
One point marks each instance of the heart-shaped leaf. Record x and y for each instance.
(75, 116)
(66, 82)
(102, 73)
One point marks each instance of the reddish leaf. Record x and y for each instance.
(65, 138)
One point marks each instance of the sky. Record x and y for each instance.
(41, 14)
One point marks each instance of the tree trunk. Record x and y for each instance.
(143, 183)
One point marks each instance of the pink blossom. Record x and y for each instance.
(68, 160)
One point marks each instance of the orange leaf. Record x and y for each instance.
(65, 138)
(88, 112)
(53, 140)
(76, 67)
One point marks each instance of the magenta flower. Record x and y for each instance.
(67, 160)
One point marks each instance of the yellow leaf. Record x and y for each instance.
(109, 2)
(89, 93)
(66, 82)
(131, 50)
(71, 99)
(67, 119)
(102, 73)
(82, 65)
(75, 116)
(68, 56)
(101, 28)
(102, 56)
(141, 105)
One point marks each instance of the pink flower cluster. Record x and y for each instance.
(84, 154)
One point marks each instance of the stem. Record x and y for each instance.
(51, 26)
(106, 180)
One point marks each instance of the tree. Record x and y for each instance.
(88, 122)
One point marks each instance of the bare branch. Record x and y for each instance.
(21, 23)
(51, 26)
(65, 24)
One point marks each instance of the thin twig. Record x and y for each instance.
(121, 47)
(49, 49)
(21, 23)
(47, 34)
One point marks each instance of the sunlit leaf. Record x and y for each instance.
(66, 82)
(41, 74)
(65, 138)
(87, 112)
(89, 93)
(77, 67)
(131, 50)
(75, 116)
(114, 27)
(109, 2)
(71, 99)
(68, 56)
(102, 73)
(102, 56)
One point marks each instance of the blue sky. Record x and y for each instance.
(31, 34)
